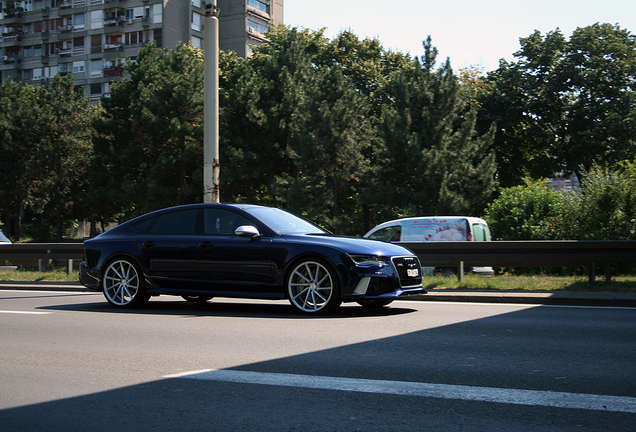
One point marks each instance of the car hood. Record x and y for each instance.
(351, 244)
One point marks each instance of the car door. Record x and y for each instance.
(231, 263)
(169, 249)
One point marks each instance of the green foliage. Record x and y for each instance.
(150, 138)
(564, 105)
(432, 161)
(46, 146)
(524, 213)
(604, 209)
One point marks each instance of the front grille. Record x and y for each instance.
(379, 286)
(403, 265)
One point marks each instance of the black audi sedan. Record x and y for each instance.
(201, 251)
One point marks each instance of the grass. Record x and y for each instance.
(532, 283)
(29, 274)
(471, 282)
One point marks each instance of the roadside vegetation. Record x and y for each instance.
(341, 131)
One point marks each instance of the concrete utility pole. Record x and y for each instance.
(211, 166)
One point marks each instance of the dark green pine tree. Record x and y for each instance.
(432, 162)
(330, 135)
(150, 139)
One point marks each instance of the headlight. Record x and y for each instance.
(368, 260)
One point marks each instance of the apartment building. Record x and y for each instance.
(92, 39)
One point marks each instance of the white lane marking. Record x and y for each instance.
(442, 391)
(24, 312)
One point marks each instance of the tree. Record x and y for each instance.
(19, 133)
(150, 142)
(329, 136)
(59, 165)
(564, 105)
(433, 162)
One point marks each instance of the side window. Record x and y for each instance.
(481, 232)
(387, 234)
(144, 224)
(222, 222)
(177, 222)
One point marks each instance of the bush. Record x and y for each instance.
(524, 213)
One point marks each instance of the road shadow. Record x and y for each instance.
(218, 307)
(537, 348)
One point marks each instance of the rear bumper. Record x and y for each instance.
(88, 278)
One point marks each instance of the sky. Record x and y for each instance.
(470, 32)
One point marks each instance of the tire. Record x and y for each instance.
(313, 288)
(123, 284)
(196, 298)
(376, 304)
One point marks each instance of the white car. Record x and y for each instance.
(435, 228)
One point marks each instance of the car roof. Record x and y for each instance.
(430, 219)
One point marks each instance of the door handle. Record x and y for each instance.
(205, 244)
(149, 244)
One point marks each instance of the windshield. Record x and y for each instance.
(283, 222)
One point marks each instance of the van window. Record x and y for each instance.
(436, 229)
(481, 232)
(391, 233)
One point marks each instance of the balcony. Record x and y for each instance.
(65, 28)
(63, 52)
(113, 71)
(115, 46)
(11, 39)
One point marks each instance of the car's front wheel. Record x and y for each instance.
(312, 287)
(123, 284)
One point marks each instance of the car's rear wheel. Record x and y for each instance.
(374, 303)
(312, 287)
(123, 284)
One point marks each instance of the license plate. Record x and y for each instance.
(412, 272)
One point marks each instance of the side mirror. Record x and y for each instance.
(247, 231)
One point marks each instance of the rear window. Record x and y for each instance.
(178, 222)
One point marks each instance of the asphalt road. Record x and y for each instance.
(72, 363)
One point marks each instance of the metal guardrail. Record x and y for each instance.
(590, 254)
(68, 252)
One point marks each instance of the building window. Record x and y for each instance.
(258, 4)
(78, 22)
(78, 67)
(255, 26)
(37, 73)
(197, 21)
(196, 3)
(197, 42)
(96, 68)
(65, 68)
(158, 37)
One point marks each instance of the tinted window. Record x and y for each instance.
(385, 234)
(144, 224)
(222, 222)
(178, 222)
